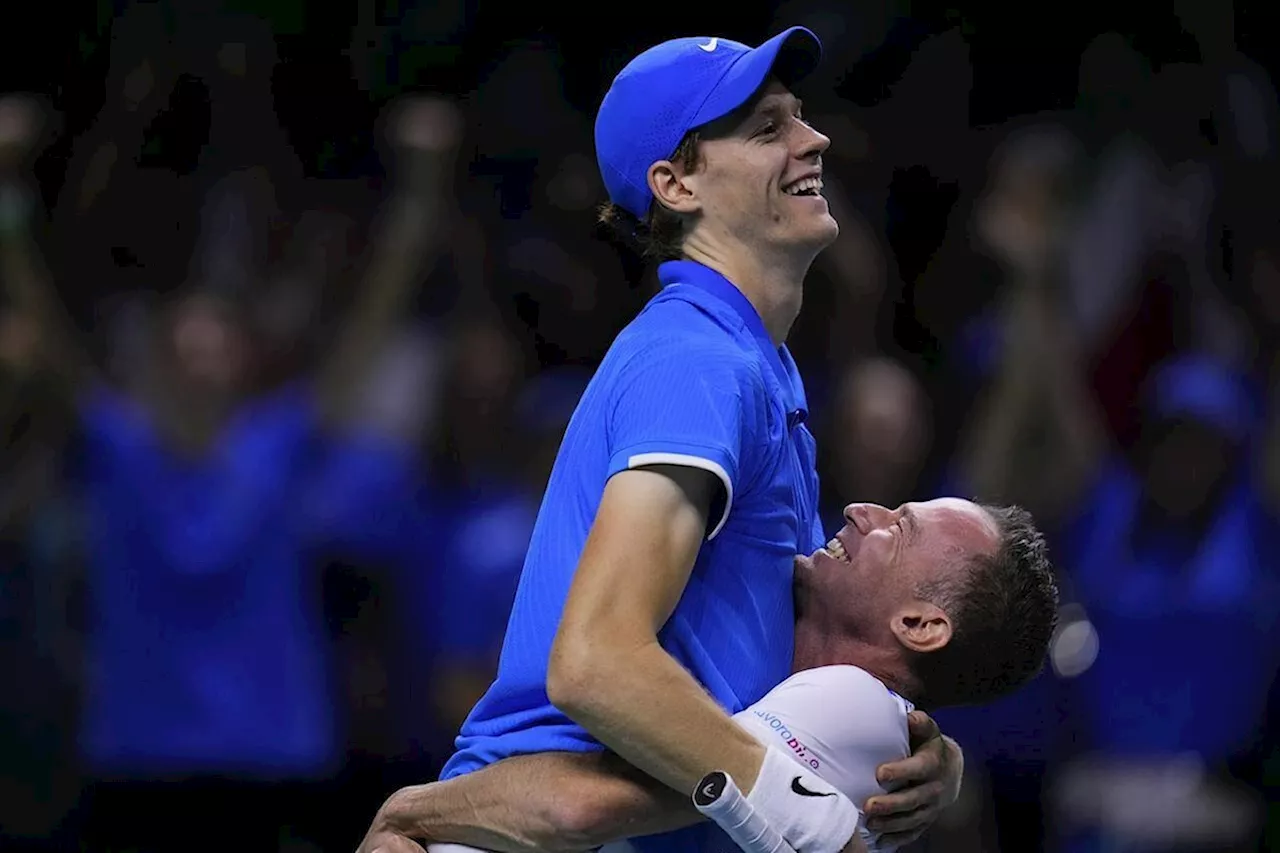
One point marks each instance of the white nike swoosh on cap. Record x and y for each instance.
(710, 46)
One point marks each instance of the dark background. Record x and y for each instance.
(910, 343)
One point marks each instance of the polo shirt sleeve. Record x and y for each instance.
(686, 401)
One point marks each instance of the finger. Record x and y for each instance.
(905, 801)
(923, 764)
(916, 821)
(921, 727)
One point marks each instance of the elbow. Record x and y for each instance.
(583, 666)
(580, 821)
(592, 805)
(572, 672)
(585, 662)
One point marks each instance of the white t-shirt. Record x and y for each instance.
(838, 721)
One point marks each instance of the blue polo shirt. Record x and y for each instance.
(693, 380)
(206, 650)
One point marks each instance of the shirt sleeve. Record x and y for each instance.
(838, 721)
(686, 402)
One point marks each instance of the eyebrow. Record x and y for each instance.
(775, 102)
(909, 524)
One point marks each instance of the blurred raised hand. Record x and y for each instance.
(21, 125)
(426, 125)
(424, 133)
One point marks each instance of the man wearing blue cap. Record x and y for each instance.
(656, 597)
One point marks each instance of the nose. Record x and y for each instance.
(812, 142)
(868, 517)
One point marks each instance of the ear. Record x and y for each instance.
(670, 186)
(922, 627)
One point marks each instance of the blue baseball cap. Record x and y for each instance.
(677, 86)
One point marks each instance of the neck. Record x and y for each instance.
(822, 641)
(773, 285)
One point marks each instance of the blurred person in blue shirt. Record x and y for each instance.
(205, 500)
(1175, 564)
(456, 543)
(475, 537)
(1028, 431)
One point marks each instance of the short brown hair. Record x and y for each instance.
(660, 235)
(1004, 609)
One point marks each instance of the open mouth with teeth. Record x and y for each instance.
(804, 187)
(836, 550)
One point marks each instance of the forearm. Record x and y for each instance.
(1069, 412)
(638, 701)
(407, 235)
(996, 428)
(410, 224)
(29, 285)
(554, 802)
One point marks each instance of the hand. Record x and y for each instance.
(381, 838)
(923, 784)
(20, 126)
(1017, 227)
(855, 845)
(426, 125)
(138, 84)
(19, 343)
(147, 87)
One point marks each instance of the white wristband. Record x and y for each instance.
(808, 812)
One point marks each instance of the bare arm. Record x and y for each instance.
(25, 276)
(29, 285)
(1037, 439)
(141, 77)
(554, 802)
(426, 134)
(607, 671)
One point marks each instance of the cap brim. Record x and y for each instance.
(790, 56)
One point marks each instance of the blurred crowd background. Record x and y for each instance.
(297, 301)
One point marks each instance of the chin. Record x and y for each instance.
(816, 243)
(822, 230)
(810, 237)
(831, 231)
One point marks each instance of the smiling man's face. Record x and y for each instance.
(876, 564)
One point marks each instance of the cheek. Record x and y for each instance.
(750, 183)
(875, 554)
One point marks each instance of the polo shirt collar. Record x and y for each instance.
(720, 288)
